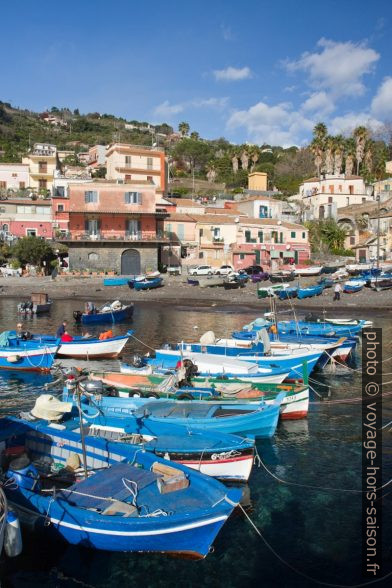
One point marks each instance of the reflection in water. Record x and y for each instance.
(317, 531)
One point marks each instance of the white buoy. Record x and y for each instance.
(12, 535)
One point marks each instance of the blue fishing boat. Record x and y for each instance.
(322, 329)
(352, 286)
(311, 291)
(291, 292)
(257, 419)
(17, 353)
(114, 312)
(149, 506)
(118, 281)
(148, 284)
(326, 282)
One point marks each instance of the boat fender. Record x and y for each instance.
(13, 358)
(12, 535)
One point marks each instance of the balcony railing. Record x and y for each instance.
(100, 236)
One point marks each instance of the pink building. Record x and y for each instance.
(25, 217)
(113, 226)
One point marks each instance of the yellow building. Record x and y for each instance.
(42, 162)
(257, 181)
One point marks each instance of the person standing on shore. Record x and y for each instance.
(338, 289)
(61, 330)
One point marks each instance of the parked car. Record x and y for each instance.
(253, 269)
(256, 273)
(201, 270)
(224, 270)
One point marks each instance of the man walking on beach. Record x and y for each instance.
(338, 289)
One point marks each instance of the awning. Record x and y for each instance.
(274, 254)
(288, 254)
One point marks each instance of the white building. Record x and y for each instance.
(14, 176)
(322, 197)
(126, 162)
(260, 207)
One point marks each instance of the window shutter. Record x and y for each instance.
(86, 226)
(139, 198)
(99, 225)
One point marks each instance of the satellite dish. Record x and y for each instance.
(236, 220)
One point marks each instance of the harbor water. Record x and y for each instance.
(307, 506)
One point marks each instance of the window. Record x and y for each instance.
(93, 256)
(274, 236)
(149, 163)
(323, 189)
(247, 236)
(348, 200)
(387, 187)
(200, 232)
(363, 200)
(22, 185)
(352, 240)
(293, 234)
(261, 236)
(134, 229)
(330, 199)
(91, 196)
(280, 237)
(42, 184)
(242, 255)
(150, 179)
(5, 228)
(303, 235)
(133, 198)
(351, 189)
(216, 232)
(3, 184)
(60, 191)
(128, 160)
(44, 210)
(340, 187)
(23, 209)
(60, 208)
(42, 167)
(14, 175)
(263, 211)
(92, 227)
(201, 255)
(31, 232)
(331, 189)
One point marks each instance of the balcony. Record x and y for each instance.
(105, 237)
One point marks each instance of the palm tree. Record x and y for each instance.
(194, 135)
(329, 154)
(333, 235)
(338, 154)
(320, 132)
(360, 136)
(244, 157)
(350, 156)
(369, 146)
(211, 171)
(184, 127)
(254, 153)
(234, 160)
(316, 148)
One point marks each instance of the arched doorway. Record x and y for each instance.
(130, 262)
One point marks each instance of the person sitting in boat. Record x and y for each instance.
(89, 308)
(61, 330)
(66, 337)
(106, 335)
(21, 333)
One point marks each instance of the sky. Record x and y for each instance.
(256, 71)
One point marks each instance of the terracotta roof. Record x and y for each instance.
(180, 217)
(116, 211)
(185, 202)
(331, 179)
(215, 219)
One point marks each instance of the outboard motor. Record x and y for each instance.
(92, 387)
(137, 361)
(23, 473)
(77, 316)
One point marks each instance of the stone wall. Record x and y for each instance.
(99, 256)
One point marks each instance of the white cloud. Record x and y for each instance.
(319, 103)
(382, 101)
(167, 110)
(277, 125)
(346, 123)
(232, 74)
(338, 67)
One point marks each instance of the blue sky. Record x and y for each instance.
(256, 71)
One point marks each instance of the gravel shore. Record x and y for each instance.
(177, 292)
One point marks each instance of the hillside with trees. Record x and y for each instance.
(190, 156)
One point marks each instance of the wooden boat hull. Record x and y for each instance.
(309, 292)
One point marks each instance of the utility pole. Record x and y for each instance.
(378, 197)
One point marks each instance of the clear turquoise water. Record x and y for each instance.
(314, 530)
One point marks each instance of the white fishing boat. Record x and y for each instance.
(90, 348)
(314, 270)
